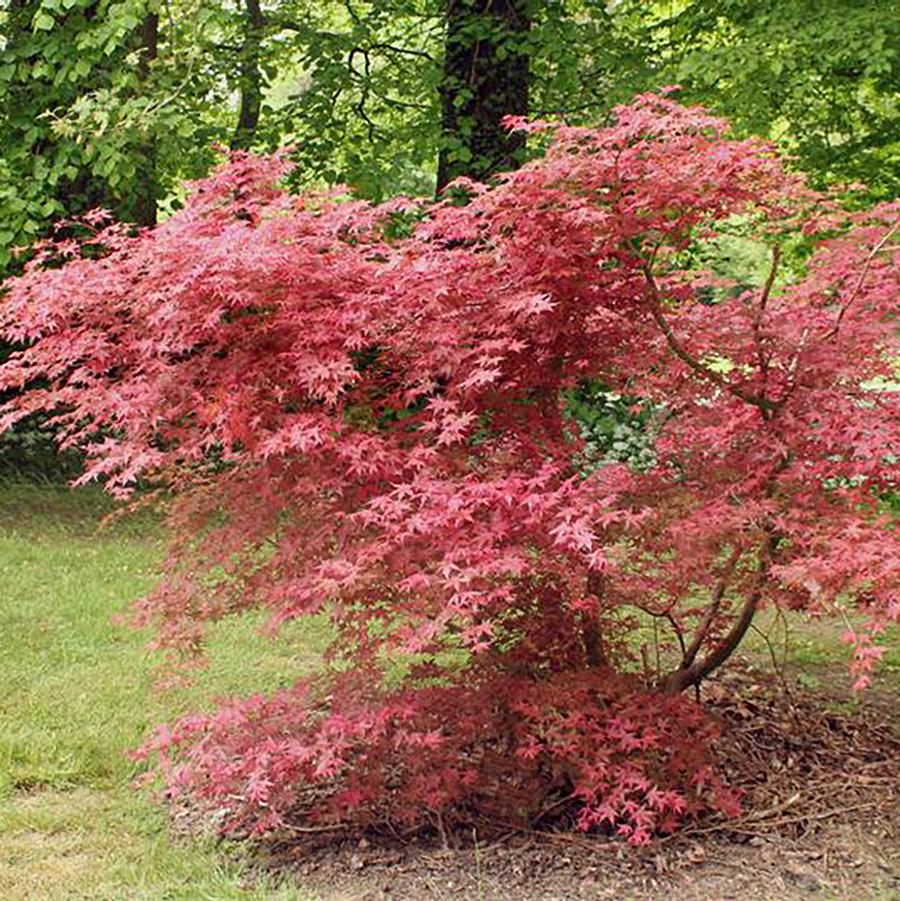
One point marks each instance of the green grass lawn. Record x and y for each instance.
(77, 693)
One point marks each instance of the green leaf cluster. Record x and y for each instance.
(90, 119)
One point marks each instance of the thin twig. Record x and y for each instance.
(761, 359)
(680, 351)
(859, 284)
(690, 654)
(778, 671)
(736, 825)
(684, 677)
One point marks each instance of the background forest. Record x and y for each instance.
(116, 102)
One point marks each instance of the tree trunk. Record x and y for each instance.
(693, 671)
(251, 82)
(592, 636)
(145, 201)
(485, 78)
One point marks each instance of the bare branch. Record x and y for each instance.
(861, 281)
(679, 350)
(360, 106)
(770, 281)
(712, 611)
(408, 51)
(685, 677)
(761, 359)
(676, 630)
(792, 369)
(591, 635)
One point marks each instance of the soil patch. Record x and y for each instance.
(843, 862)
(821, 818)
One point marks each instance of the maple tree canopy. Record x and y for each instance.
(359, 412)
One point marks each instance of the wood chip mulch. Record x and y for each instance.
(821, 818)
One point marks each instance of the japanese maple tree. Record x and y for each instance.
(360, 412)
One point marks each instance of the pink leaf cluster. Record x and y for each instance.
(600, 750)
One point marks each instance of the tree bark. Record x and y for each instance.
(692, 671)
(592, 636)
(250, 79)
(486, 76)
(145, 208)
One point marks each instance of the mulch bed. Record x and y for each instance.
(821, 817)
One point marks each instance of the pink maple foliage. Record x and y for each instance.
(359, 413)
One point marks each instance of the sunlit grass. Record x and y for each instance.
(78, 693)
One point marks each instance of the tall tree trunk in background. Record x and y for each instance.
(251, 82)
(485, 78)
(145, 201)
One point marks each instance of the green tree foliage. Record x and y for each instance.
(53, 54)
(105, 103)
(820, 76)
(373, 98)
(114, 102)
